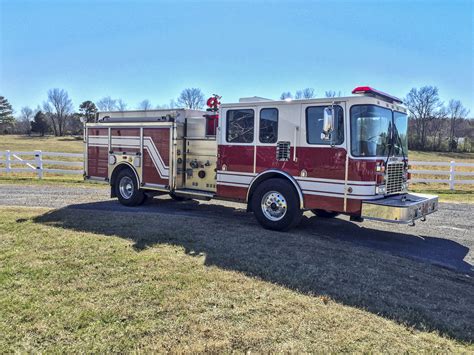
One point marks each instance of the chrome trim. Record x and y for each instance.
(96, 178)
(157, 187)
(291, 178)
(274, 206)
(126, 187)
(404, 208)
(129, 165)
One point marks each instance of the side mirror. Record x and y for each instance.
(328, 123)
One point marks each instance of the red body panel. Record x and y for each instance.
(124, 132)
(160, 139)
(97, 157)
(325, 163)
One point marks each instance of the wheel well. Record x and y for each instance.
(119, 168)
(273, 175)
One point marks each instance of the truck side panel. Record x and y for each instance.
(97, 153)
(156, 155)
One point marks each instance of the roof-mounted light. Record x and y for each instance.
(376, 93)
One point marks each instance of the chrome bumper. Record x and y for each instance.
(404, 208)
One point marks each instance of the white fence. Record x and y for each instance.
(450, 173)
(34, 162)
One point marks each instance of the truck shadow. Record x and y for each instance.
(339, 259)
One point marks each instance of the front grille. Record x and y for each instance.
(394, 178)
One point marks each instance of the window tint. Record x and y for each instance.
(314, 125)
(268, 125)
(240, 126)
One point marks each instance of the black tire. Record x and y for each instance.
(325, 213)
(277, 192)
(127, 189)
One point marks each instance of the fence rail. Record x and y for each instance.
(451, 173)
(35, 163)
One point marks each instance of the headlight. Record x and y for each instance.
(380, 190)
(112, 159)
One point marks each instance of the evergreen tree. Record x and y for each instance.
(40, 124)
(6, 115)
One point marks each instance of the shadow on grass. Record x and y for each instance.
(334, 258)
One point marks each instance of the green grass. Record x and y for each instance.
(90, 281)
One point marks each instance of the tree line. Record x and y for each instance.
(57, 116)
(433, 124)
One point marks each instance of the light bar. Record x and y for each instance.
(369, 90)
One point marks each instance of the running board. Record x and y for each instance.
(194, 193)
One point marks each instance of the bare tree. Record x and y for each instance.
(307, 93)
(173, 104)
(286, 95)
(192, 98)
(455, 112)
(332, 93)
(23, 123)
(26, 113)
(424, 106)
(121, 105)
(145, 105)
(107, 104)
(58, 109)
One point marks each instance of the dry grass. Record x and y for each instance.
(47, 143)
(89, 281)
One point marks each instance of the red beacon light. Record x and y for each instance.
(371, 91)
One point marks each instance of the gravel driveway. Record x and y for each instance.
(446, 239)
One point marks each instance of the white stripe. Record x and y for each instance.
(368, 197)
(234, 179)
(231, 184)
(134, 142)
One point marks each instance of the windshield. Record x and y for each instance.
(370, 131)
(401, 123)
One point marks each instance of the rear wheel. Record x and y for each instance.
(276, 205)
(127, 190)
(325, 213)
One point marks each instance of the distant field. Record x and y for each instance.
(463, 193)
(50, 144)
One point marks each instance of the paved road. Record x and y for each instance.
(446, 239)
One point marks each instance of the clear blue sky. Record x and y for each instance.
(138, 50)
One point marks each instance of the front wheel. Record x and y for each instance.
(127, 190)
(276, 205)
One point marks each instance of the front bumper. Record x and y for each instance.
(404, 208)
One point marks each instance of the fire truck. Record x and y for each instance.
(342, 155)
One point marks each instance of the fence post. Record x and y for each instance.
(39, 163)
(8, 163)
(451, 174)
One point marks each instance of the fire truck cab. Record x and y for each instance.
(341, 155)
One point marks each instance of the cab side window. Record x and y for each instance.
(314, 125)
(240, 126)
(268, 125)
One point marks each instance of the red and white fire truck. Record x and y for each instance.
(343, 155)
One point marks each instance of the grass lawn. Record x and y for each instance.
(47, 143)
(84, 281)
(463, 193)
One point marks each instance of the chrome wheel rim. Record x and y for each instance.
(274, 205)
(126, 187)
